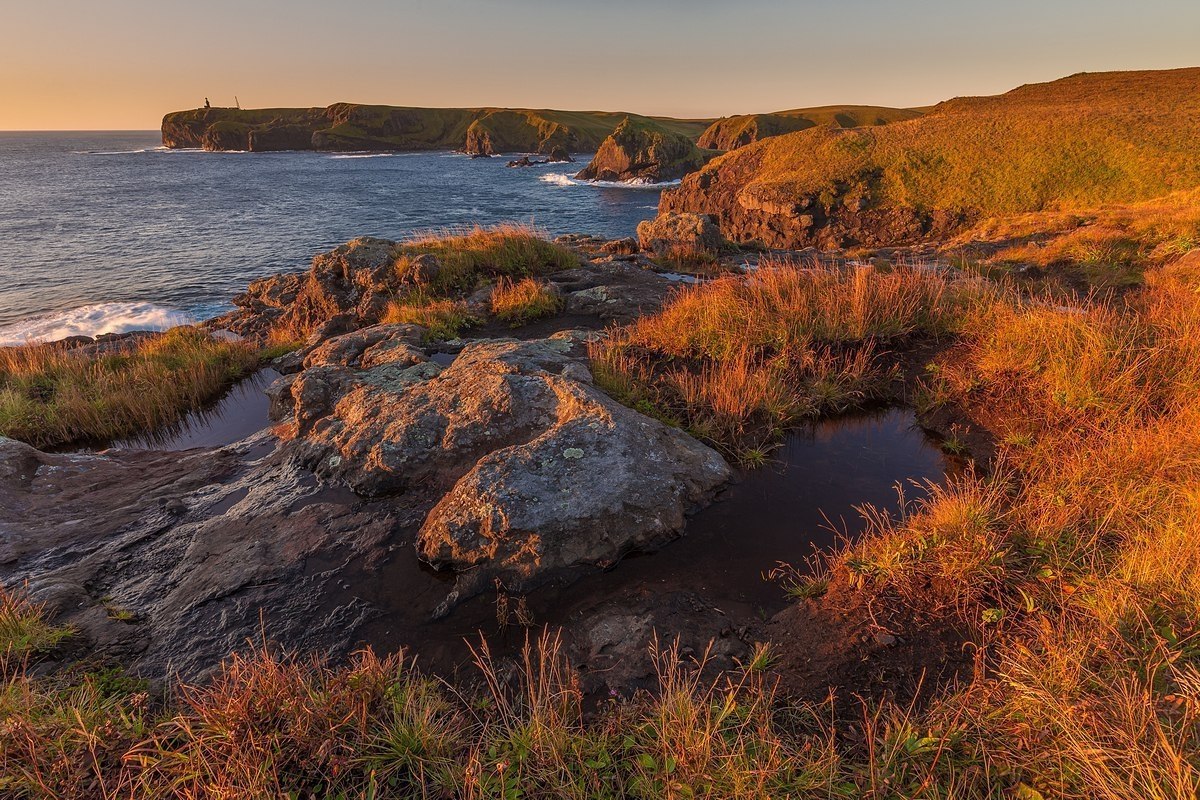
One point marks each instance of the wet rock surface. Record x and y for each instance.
(505, 465)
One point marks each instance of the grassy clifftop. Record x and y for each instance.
(350, 126)
(730, 133)
(1081, 141)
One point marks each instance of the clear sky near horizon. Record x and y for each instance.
(79, 64)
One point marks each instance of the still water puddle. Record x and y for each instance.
(241, 412)
(804, 501)
(801, 503)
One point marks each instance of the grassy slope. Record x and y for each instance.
(730, 133)
(1083, 140)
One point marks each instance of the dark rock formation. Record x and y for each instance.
(558, 156)
(640, 151)
(681, 232)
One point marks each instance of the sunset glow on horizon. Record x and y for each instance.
(123, 65)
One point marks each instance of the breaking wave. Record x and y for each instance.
(93, 320)
(564, 179)
(119, 152)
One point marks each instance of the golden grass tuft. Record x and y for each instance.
(523, 301)
(442, 319)
(52, 395)
(472, 255)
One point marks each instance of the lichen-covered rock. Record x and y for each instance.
(675, 232)
(530, 469)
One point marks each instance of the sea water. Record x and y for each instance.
(106, 232)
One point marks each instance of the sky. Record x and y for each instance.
(122, 64)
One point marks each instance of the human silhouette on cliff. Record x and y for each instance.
(206, 105)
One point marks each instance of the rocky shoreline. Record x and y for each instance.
(471, 470)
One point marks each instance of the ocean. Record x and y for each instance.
(108, 231)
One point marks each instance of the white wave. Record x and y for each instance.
(93, 320)
(565, 179)
(363, 155)
(201, 150)
(118, 152)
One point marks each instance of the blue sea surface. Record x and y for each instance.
(109, 231)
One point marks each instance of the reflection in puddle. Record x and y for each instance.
(800, 503)
(242, 411)
(785, 511)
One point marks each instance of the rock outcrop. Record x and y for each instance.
(749, 211)
(531, 470)
(351, 286)
(681, 233)
(644, 152)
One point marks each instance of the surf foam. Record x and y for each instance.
(565, 179)
(93, 320)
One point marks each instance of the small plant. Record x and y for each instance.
(953, 442)
(23, 627)
(760, 659)
(523, 301)
(442, 320)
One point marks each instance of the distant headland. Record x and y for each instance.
(630, 146)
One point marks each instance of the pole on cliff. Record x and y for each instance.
(237, 103)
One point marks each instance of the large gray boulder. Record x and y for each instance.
(530, 469)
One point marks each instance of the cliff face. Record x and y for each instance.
(350, 126)
(748, 213)
(641, 151)
(1079, 142)
(731, 133)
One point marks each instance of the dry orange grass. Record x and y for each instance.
(1079, 557)
(519, 302)
(738, 355)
